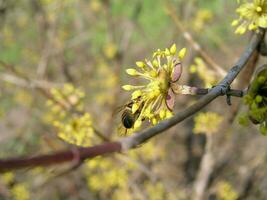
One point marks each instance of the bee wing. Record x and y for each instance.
(118, 109)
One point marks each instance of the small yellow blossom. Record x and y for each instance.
(66, 98)
(110, 50)
(95, 5)
(155, 100)
(77, 130)
(8, 177)
(207, 122)
(251, 16)
(202, 17)
(68, 116)
(20, 192)
(226, 191)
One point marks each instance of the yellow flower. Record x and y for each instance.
(77, 130)
(226, 191)
(20, 192)
(252, 15)
(155, 100)
(202, 17)
(207, 123)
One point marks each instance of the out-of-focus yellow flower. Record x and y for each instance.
(122, 194)
(20, 192)
(155, 191)
(65, 99)
(203, 16)
(95, 5)
(208, 76)
(23, 97)
(207, 122)
(155, 100)
(110, 50)
(77, 130)
(112, 175)
(226, 191)
(252, 15)
(68, 116)
(8, 177)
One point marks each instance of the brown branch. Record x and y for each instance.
(60, 157)
(138, 138)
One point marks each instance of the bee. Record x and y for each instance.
(127, 117)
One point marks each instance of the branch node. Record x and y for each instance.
(76, 156)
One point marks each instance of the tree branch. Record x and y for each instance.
(138, 138)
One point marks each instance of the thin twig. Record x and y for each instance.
(191, 40)
(184, 89)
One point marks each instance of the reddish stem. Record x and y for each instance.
(60, 157)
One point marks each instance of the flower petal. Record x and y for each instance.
(170, 98)
(177, 72)
(263, 21)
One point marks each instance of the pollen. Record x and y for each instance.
(258, 9)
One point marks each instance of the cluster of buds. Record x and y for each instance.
(77, 130)
(256, 99)
(67, 98)
(67, 115)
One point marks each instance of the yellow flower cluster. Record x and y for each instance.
(115, 171)
(252, 15)
(20, 192)
(65, 99)
(202, 17)
(106, 171)
(155, 100)
(77, 130)
(155, 191)
(226, 191)
(8, 178)
(68, 117)
(207, 123)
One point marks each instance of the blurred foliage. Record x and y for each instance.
(66, 64)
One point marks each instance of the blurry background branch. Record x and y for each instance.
(138, 138)
(196, 46)
(216, 152)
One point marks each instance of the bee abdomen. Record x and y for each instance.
(127, 120)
